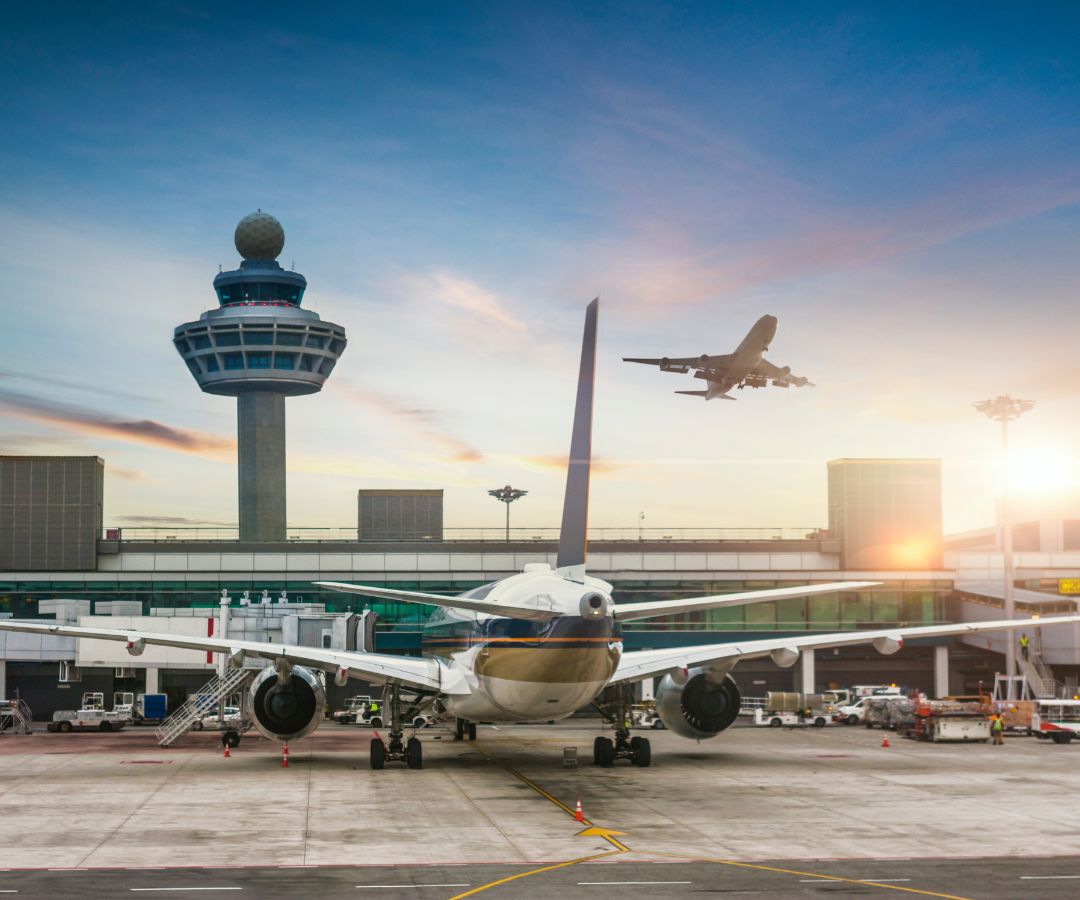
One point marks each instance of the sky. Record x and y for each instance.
(899, 186)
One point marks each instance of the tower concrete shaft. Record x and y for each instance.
(260, 417)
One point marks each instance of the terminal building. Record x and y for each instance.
(884, 525)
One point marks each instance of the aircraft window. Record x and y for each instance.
(258, 337)
(315, 341)
(258, 360)
(289, 339)
(284, 360)
(234, 360)
(212, 364)
(227, 339)
(305, 363)
(200, 342)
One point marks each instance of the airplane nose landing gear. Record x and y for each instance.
(636, 749)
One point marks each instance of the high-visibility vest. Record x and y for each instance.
(999, 724)
(1024, 640)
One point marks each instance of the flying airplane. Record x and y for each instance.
(746, 367)
(535, 646)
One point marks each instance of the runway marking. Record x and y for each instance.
(812, 876)
(138, 890)
(615, 842)
(1046, 877)
(562, 865)
(633, 882)
(396, 886)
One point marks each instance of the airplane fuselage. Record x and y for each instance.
(746, 356)
(520, 670)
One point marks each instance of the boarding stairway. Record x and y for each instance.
(16, 716)
(1035, 682)
(203, 702)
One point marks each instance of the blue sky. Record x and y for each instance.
(900, 187)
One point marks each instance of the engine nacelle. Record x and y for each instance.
(704, 359)
(289, 711)
(701, 706)
(888, 644)
(665, 364)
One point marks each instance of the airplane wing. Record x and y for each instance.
(425, 674)
(639, 664)
(528, 613)
(684, 364)
(766, 369)
(627, 612)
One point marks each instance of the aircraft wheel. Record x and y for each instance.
(606, 752)
(642, 752)
(378, 754)
(596, 751)
(414, 754)
(471, 729)
(230, 739)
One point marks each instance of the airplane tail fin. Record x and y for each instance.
(575, 516)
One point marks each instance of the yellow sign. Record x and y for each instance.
(1069, 586)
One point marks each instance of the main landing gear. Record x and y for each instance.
(636, 749)
(462, 728)
(410, 752)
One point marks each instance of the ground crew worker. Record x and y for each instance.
(1024, 641)
(997, 728)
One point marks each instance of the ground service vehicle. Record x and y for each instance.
(151, 709)
(232, 720)
(1056, 720)
(66, 720)
(353, 705)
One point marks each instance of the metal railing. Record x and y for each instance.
(16, 716)
(202, 703)
(494, 535)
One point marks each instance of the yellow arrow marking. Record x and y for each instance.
(599, 832)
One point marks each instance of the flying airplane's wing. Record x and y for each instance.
(638, 664)
(766, 369)
(627, 612)
(684, 364)
(528, 613)
(425, 674)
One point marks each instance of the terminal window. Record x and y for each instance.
(234, 360)
(258, 360)
(227, 339)
(284, 360)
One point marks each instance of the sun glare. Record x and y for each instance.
(1043, 471)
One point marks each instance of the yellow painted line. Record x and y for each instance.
(562, 865)
(837, 878)
(617, 844)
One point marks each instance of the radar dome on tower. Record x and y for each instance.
(259, 236)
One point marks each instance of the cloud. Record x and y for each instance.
(139, 431)
(170, 520)
(96, 389)
(557, 463)
(128, 475)
(460, 293)
(423, 422)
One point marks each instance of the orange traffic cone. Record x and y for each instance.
(228, 755)
(578, 817)
(885, 741)
(285, 755)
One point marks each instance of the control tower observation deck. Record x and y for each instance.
(260, 347)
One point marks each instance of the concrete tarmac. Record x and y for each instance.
(775, 812)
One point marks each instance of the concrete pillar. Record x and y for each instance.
(3, 679)
(152, 681)
(261, 459)
(941, 671)
(807, 675)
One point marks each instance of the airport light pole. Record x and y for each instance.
(1004, 409)
(507, 495)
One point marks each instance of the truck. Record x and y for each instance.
(949, 720)
(1056, 720)
(792, 709)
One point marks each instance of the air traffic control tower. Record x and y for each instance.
(260, 347)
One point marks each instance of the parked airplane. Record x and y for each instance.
(746, 367)
(535, 646)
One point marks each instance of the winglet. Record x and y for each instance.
(575, 517)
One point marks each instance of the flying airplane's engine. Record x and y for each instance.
(699, 707)
(286, 712)
(665, 363)
(704, 359)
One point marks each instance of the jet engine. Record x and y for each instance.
(704, 359)
(286, 711)
(665, 364)
(698, 705)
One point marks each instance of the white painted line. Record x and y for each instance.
(187, 889)
(1046, 877)
(632, 882)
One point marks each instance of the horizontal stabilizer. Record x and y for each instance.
(626, 612)
(694, 393)
(490, 607)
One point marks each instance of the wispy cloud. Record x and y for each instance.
(83, 420)
(423, 422)
(461, 293)
(170, 520)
